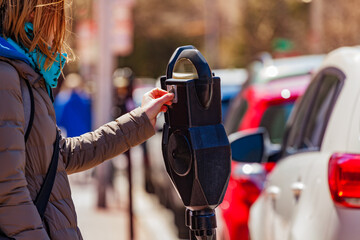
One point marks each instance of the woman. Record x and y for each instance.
(33, 33)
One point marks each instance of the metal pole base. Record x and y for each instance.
(202, 224)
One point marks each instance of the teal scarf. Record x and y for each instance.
(37, 60)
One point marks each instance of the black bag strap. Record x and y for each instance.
(29, 107)
(43, 196)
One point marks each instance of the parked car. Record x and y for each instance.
(263, 70)
(266, 101)
(313, 191)
(231, 83)
(268, 105)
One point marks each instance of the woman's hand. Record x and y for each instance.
(153, 103)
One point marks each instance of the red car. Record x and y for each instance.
(258, 105)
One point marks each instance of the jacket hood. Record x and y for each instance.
(8, 51)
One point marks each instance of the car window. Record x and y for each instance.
(274, 120)
(321, 107)
(236, 114)
(298, 120)
(308, 126)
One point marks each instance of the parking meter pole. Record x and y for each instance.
(195, 146)
(202, 224)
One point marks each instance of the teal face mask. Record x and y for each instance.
(51, 74)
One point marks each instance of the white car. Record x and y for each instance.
(313, 193)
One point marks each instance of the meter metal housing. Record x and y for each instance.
(195, 146)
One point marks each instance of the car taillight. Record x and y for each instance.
(344, 179)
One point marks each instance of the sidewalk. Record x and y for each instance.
(151, 220)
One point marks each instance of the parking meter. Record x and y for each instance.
(195, 146)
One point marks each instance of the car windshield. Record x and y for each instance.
(240, 106)
(274, 120)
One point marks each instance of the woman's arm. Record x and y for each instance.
(111, 139)
(19, 217)
(91, 149)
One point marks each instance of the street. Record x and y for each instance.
(151, 220)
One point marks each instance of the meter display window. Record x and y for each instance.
(185, 69)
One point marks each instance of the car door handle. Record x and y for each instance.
(297, 188)
(273, 191)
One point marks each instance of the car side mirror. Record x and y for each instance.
(249, 146)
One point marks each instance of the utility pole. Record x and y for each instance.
(103, 99)
(316, 26)
(104, 87)
(212, 33)
(103, 93)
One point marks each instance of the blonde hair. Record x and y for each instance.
(49, 22)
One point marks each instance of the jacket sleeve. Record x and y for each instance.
(111, 139)
(19, 217)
